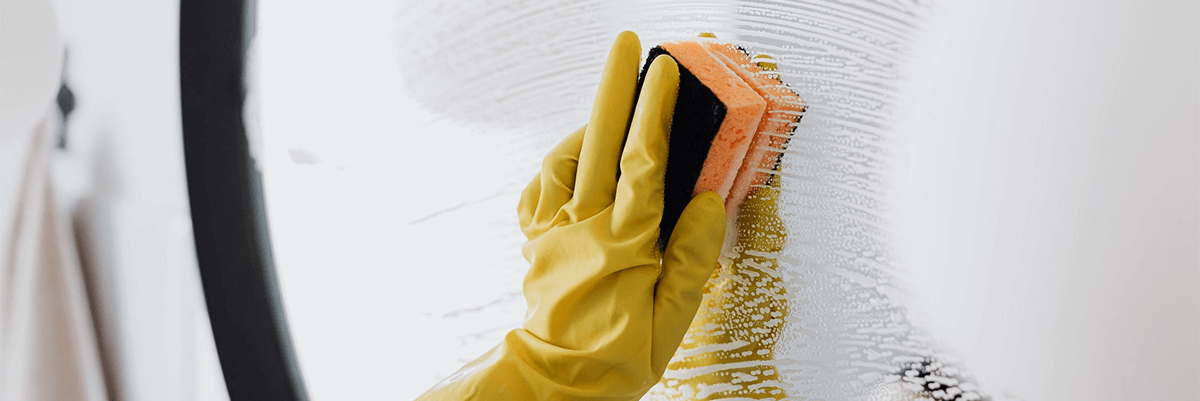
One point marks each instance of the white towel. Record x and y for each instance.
(48, 348)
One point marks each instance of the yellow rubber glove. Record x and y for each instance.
(606, 309)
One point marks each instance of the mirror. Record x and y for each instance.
(394, 139)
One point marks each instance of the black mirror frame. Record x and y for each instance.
(229, 221)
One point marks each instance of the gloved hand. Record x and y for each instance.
(606, 309)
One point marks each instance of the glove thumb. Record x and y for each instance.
(688, 261)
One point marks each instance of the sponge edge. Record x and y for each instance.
(783, 111)
(697, 119)
(744, 109)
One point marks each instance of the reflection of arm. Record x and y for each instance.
(729, 349)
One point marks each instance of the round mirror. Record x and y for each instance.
(394, 140)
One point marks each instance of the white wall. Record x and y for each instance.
(122, 176)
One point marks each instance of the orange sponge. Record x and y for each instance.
(743, 110)
(783, 111)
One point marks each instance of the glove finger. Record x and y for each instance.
(597, 177)
(639, 203)
(688, 261)
(555, 185)
(529, 201)
(533, 191)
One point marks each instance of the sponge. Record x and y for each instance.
(716, 116)
(783, 112)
